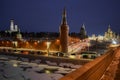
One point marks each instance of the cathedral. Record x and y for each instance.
(13, 28)
(109, 34)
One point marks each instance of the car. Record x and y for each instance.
(60, 54)
(89, 54)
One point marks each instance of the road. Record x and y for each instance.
(77, 47)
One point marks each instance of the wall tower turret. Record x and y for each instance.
(64, 33)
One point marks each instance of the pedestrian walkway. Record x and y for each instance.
(117, 76)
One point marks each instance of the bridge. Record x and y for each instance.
(106, 67)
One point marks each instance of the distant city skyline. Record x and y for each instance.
(46, 15)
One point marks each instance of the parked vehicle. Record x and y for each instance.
(89, 54)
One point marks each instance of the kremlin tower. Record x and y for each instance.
(64, 33)
(83, 33)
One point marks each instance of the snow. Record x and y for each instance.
(51, 63)
(69, 65)
(13, 69)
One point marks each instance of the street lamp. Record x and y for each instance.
(114, 42)
(48, 47)
(72, 46)
(15, 44)
(88, 44)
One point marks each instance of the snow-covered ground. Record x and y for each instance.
(12, 69)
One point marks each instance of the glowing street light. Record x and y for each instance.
(15, 65)
(88, 44)
(114, 42)
(72, 45)
(48, 47)
(15, 44)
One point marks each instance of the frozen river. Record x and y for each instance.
(13, 69)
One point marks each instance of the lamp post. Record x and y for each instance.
(48, 47)
(88, 44)
(72, 46)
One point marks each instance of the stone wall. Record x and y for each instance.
(92, 70)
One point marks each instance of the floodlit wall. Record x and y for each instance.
(92, 70)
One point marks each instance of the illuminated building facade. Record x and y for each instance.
(109, 34)
(13, 28)
(19, 35)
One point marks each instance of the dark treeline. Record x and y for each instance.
(29, 34)
(4, 34)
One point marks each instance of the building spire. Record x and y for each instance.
(11, 25)
(109, 26)
(64, 20)
(83, 26)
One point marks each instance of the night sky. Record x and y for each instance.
(46, 15)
